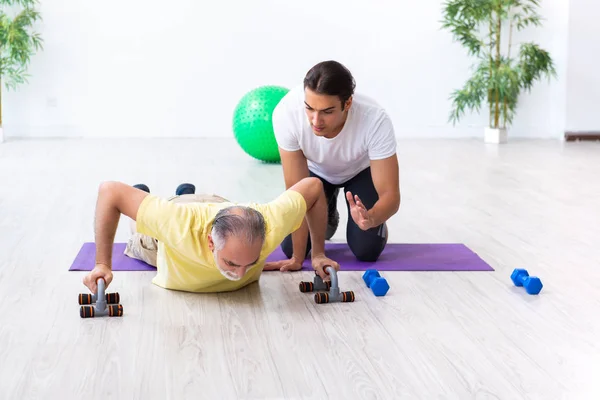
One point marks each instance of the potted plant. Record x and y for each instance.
(500, 75)
(18, 42)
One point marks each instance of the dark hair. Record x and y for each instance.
(248, 224)
(330, 78)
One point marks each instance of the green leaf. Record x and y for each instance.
(534, 62)
(462, 18)
(472, 95)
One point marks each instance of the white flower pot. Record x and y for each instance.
(1, 135)
(495, 135)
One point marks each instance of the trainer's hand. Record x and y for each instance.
(284, 265)
(320, 261)
(359, 213)
(99, 271)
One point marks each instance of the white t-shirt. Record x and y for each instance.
(368, 134)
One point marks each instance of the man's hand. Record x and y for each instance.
(99, 271)
(284, 265)
(359, 212)
(319, 262)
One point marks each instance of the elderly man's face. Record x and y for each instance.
(236, 257)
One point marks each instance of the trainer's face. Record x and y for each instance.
(325, 113)
(236, 257)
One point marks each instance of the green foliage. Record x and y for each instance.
(498, 79)
(18, 41)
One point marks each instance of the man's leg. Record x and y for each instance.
(331, 192)
(366, 245)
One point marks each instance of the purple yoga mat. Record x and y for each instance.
(395, 257)
(86, 259)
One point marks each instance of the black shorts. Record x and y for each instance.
(365, 245)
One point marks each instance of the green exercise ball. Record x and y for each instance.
(253, 122)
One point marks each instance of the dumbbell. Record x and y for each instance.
(532, 284)
(101, 307)
(333, 294)
(373, 280)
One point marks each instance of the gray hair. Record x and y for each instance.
(239, 221)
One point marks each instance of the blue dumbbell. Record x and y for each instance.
(532, 284)
(373, 280)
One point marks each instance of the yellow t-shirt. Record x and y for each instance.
(184, 260)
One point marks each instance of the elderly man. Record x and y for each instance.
(206, 243)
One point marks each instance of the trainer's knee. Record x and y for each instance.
(363, 253)
(366, 246)
(287, 247)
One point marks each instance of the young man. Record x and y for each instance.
(205, 243)
(347, 140)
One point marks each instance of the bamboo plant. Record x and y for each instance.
(18, 42)
(500, 75)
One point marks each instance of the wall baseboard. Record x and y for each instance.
(582, 135)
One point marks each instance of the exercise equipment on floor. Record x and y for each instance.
(327, 291)
(532, 284)
(100, 305)
(253, 122)
(378, 285)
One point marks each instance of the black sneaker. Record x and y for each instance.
(185, 188)
(143, 187)
(333, 217)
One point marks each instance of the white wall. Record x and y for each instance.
(150, 68)
(583, 77)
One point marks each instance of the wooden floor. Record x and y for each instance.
(436, 335)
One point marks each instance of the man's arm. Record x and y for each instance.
(114, 199)
(316, 212)
(386, 180)
(295, 168)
